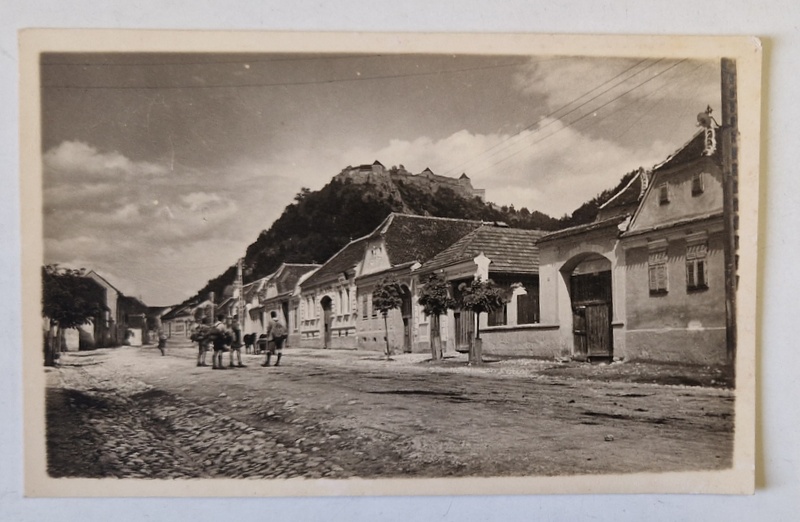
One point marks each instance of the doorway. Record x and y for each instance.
(590, 296)
(406, 311)
(326, 303)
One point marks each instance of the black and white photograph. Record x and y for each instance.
(362, 264)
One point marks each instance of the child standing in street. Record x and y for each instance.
(236, 345)
(201, 336)
(276, 333)
(222, 340)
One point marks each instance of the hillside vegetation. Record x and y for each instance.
(318, 223)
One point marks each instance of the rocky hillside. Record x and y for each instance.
(317, 224)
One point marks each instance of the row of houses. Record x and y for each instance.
(644, 281)
(124, 320)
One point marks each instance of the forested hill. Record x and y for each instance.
(319, 223)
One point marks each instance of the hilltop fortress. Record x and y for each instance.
(426, 180)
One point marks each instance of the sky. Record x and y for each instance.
(160, 169)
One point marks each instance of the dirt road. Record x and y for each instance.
(340, 414)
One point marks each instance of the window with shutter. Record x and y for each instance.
(696, 267)
(657, 272)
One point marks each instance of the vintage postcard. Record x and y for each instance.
(294, 264)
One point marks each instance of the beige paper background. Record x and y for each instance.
(746, 51)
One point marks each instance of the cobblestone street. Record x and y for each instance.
(128, 412)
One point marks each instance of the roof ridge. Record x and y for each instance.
(627, 185)
(678, 150)
(441, 218)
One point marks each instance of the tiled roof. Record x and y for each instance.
(289, 274)
(250, 290)
(692, 150)
(582, 229)
(625, 201)
(177, 312)
(344, 260)
(511, 250)
(412, 238)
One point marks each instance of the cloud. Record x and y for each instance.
(574, 81)
(76, 161)
(124, 218)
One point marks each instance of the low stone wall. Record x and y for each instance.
(701, 346)
(533, 340)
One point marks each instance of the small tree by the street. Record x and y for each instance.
(435, 300)
(479, 297)
(387, 296)
(69, 300)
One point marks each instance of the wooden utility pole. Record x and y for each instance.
(730, 188)
(239, 296)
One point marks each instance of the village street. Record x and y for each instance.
(129, 412)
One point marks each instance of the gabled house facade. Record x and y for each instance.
(282, 295)
(674, 261)
(645, 281)
(399, 244)
(126, 320)
(327, 305)
(255, 315)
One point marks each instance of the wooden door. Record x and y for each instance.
(465, 330)
(406, 335)
(598, 330)
(579, 332)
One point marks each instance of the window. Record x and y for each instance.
(696, 267)
(663, 194)
(374, 311)
(498, 317)
(347, 301)
(657, 272)
(527, 308)
(697, 184)
(364, 307)
(293, 319)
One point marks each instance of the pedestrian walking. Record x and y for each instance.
(162, 342)
(236, 344)
(276, 336)
(201, 335)
(222, 339)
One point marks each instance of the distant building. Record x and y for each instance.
(126, 320)
(327, 303)
(282, 295)
(426, 180)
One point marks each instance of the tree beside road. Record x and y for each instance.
(69, 300)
